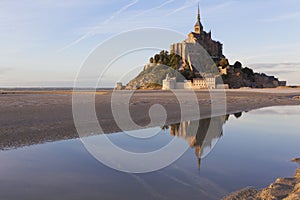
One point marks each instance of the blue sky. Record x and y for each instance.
(43, 43)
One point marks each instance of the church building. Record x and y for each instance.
(185, 50)
(213, 48)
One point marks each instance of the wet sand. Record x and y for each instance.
(33, 117)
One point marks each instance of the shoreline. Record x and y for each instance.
(34, 118)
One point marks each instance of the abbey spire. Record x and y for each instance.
(198, 26)
(198, 13)
(199, 35)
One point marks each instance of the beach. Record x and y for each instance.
(34, 117)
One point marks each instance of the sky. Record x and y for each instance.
(44, 43)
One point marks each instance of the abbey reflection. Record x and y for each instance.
(200, 134)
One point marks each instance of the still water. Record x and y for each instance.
(247, 149)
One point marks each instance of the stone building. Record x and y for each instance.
(119, 86)
(169, 83)
(204, 83)
(213, 48)
(209, 82)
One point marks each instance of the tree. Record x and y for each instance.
(223, 62)
(237, 65)
(151, 60)
(166, 61)
(174, 60)
(156, 58)
(248, 71)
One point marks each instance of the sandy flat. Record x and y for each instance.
(34, 117)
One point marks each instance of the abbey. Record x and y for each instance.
(200, 61)
(186, 50)
(213, 48)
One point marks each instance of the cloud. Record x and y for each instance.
(284, 71)
(276, 65)
(152, 9)
(211, 9)
(285, 17)
(120, 11)
(281, 72)
(220, 6)
(187, 4)
(93, 31)
(67, 4)
(289, 110)
(108, 26)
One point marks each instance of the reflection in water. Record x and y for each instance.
(202, 134)
(64, 169)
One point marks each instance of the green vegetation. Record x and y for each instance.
(237, 65)
(165, 63)
(152, 86)
(152, 77)
(223, 63)
(188, 74)
(238, 76)
(175, 62)
(172, 60)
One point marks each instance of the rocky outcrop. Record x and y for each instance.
(236, 76)
(151, 77)
(281, 189)
(245, 77)
(296, 98)
(244, 194)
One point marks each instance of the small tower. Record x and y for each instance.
(119, 86)
(198, 26)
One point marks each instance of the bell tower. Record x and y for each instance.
(198, 28)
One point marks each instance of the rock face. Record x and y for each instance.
(151, 77)
(244, 194)
(297, 98)
(278, 190)
(281, 189)
(245, 77)
(235, 76)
